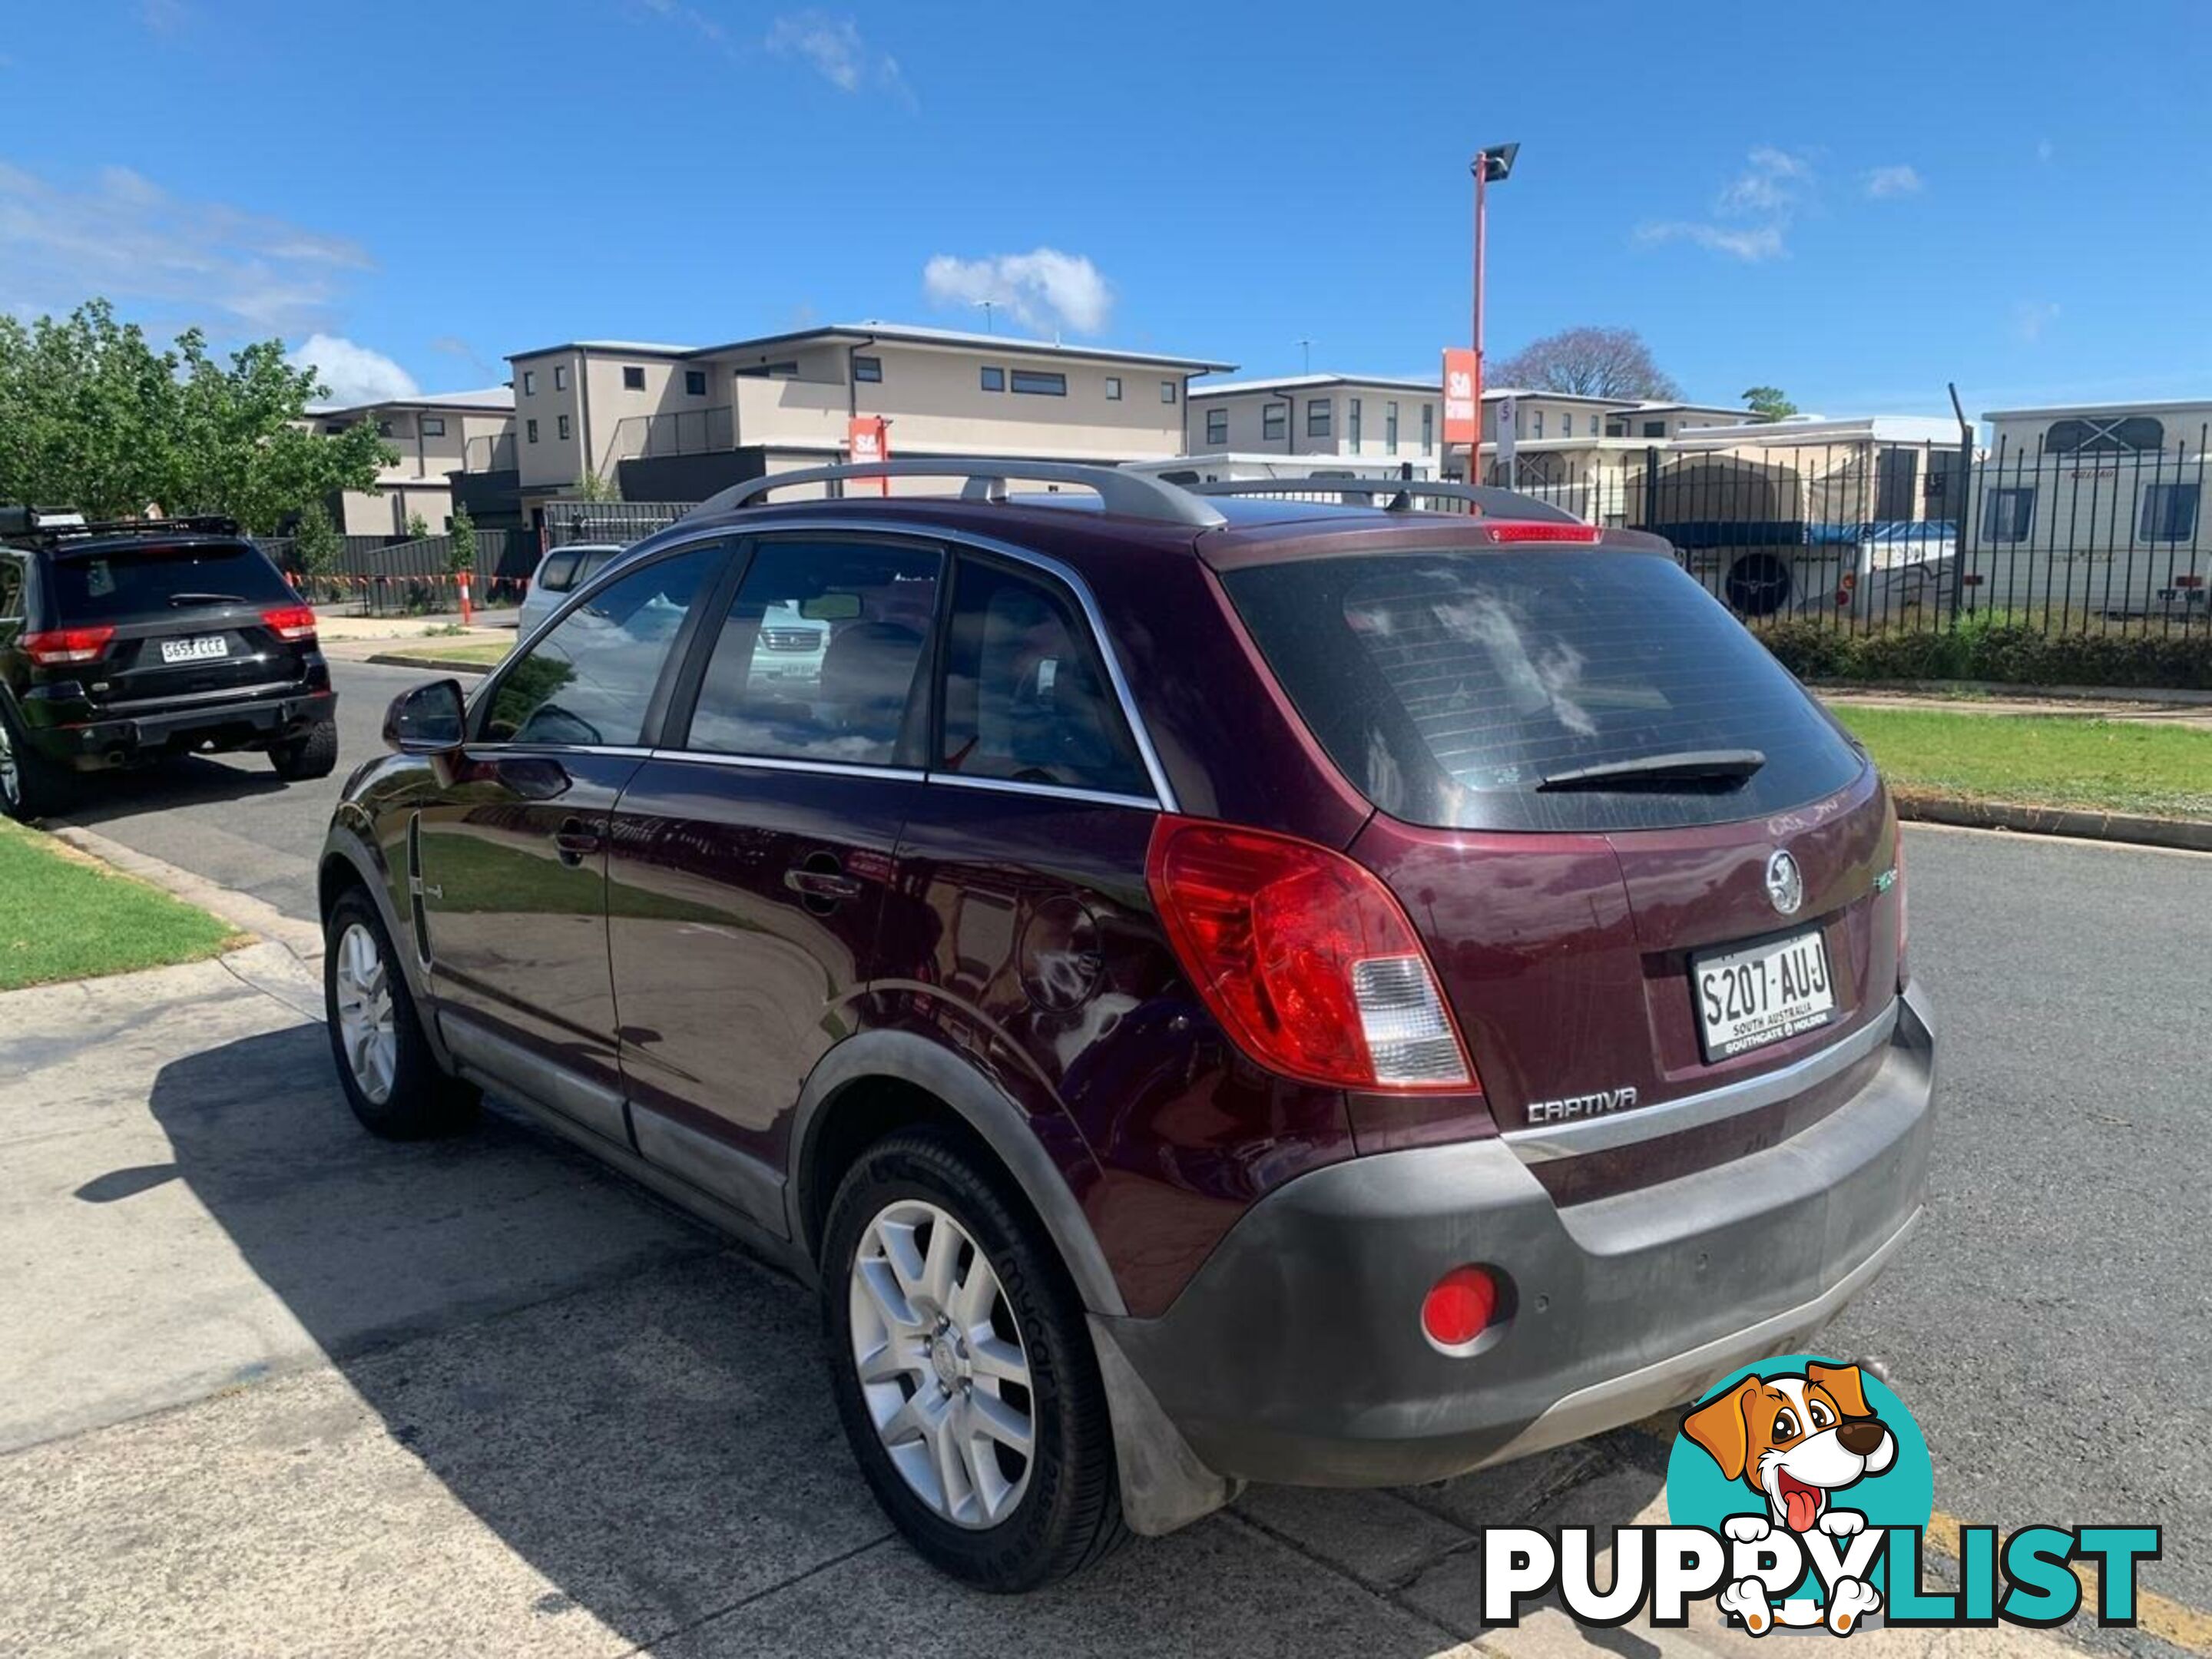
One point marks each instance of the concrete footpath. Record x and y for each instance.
(272, 1387)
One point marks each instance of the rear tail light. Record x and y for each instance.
(59, 646)
(1305, 958)
(1458, 1307)
(292, 623)
(1581, 535)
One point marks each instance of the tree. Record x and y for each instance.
(594, 488)
(93, 416)
(461, 552)
(418, 527)
(316, 544)
(1770, 402)
(1588, 361)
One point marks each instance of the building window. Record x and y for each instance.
(994, 380)
(2169, 512)
(1390, 429)
(1428, 429)
(559, 377)
(768, 371)
(695, 382)
(530, 431)
(433, 426)
(1167, 391)
(1567, 424)
(1274, 422)
(2138, 433)
(2007, 514)
(561, 426)
(384, 429)
(1217, 428)
(1655, 428)
(870, 369)
(1113, 388)
(530, 383)
(1038, 384)
(1319, 411)
(1614, 428)
(1536, 422)
(633, 378)
(1352, 421)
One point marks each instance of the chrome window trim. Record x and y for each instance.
(789, 763)
(1542, 1143)
(1052, 791)
(633, 751)
(1164, 798)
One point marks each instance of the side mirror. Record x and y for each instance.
(426, 720)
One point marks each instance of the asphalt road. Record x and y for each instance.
(2050, 1326)
(230, 819)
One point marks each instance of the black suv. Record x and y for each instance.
(125, 642)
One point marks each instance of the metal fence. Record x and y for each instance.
(378, 578)
(620, 522)
(1864, 536)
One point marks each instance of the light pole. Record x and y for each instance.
(986, 307)
(1305, 346)
(1493, 164)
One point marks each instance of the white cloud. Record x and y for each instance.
(354, 374)
(122, 235)
(1770, 182)
(1884, 183)
(836, 51)
(2031, 318)
(1768, 190)
(1043, 289)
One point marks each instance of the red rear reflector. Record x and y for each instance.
(1583, 535)
(1305, 958)
(1973, 578)
(1458, 1307)
(291, 622)
(2189, 581)
(57, 646)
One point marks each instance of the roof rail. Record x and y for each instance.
(1483, 499)
(1130, 494)
(46, 526)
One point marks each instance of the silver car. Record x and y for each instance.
(558, 573)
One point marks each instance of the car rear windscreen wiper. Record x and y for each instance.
(179, 600)
(1709, 768)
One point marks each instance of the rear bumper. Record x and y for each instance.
(1296, 1356)
(237, 723)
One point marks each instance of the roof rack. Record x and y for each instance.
(1482, 500)
(49, 527)
(1129, 494)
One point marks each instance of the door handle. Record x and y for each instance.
(831, 886)
(576, 840)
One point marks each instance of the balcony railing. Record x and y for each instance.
(681, 432)
(489, 454)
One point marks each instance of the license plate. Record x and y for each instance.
(1762, 994)
(199, 648)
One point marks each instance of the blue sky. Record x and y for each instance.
(1856, 207)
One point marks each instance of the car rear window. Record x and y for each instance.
(104, 584)
(1448, 687)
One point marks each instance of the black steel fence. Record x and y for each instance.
(568, 522)
(374, 577)
(1864, 534)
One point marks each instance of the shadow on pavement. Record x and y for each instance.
(187, 781)
(663, 1450)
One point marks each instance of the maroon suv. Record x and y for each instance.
(1212, 988)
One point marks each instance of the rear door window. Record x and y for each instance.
(140, 582)
(1026, 695)
(1456, 689)
(818, 656)
(559, 574)
(590, 680)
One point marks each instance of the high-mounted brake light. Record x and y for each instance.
(292, 623)
(1305, 958)
(57, 647)
(1581, 535)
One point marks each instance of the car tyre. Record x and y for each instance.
(312, 756)
(31, 786)
(945, 1347)
(391, 1079)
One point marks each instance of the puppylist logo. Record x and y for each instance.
(1800, 1491)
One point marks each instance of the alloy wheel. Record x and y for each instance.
(942, 1365)
(11, 772)
(363, 995)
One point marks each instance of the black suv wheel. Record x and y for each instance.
(312, 756)
(31, 786)
(963, 1370)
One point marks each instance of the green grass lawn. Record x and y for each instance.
(430, 653)
(66, 916)
(2115, 766)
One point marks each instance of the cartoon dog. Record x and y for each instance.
(1794, 1439)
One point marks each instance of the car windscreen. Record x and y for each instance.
(1465, 690)
(113, 584)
